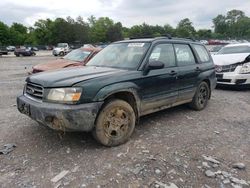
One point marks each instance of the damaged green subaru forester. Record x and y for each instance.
(126, 80)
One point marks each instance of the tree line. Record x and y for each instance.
(234, 25)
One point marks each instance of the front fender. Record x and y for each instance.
(109, 90)
(106, 91)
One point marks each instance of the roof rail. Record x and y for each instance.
(142, 37)
(168, 36)
(187, 39)
(150, 36)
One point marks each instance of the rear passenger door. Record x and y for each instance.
(188, 71)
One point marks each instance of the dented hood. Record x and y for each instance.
(56, 64)
(70, 76)
(228, 59)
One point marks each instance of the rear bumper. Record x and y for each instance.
(60, 116)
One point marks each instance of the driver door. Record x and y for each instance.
(160, 88)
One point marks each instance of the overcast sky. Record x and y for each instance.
(128, 12)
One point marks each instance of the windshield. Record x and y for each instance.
(120, 55)
(77, 55)
(216, 48)
(234, 50)
(61, 45)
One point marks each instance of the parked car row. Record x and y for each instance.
(222, 42)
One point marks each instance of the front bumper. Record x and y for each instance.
(232, 78)
(62, 117)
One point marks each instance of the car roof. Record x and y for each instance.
(180, 40)
(239, 44)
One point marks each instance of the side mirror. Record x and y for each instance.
(152, 65)
(155, 65)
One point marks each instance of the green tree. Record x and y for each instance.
(99, 29)
(168, 29)
(114, 33)
(220, 24)
(4, 34)
(18, 33)
(185, 28)
(43, 31)
(204, 34)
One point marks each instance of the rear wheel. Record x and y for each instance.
(115, 123)
(201, 97)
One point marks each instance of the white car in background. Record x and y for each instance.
(61, 49)
(232, 64)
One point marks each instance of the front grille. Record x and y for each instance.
(219, 76)
(34, 90)
(228, 68)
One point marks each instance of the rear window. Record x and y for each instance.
(202, 53)
(184, 55)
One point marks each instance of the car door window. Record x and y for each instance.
(163, 53)
(202, 53)
(184, 55)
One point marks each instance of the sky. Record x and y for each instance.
(128, 12)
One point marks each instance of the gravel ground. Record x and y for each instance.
(173, 148)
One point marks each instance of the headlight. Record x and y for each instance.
(245, 68)
(67, 95)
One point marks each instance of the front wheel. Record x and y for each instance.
(61, 54)
(115, 123)
(201, 97)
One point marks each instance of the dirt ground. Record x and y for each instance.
(167, 149)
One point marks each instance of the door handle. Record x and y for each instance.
(173, 73)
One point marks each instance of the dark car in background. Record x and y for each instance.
(23, 51)
(78, 57)
(3, 51)
(126, 80)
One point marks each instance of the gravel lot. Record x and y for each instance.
(168, 148)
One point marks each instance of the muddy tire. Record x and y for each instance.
(115, 123)
(201, 97)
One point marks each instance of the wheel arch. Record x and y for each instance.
(209, 85)
(128, 94)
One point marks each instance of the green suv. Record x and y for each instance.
(126, 80)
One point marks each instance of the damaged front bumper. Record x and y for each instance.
(80, 117)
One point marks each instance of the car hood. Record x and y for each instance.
(70, 76)
(56, 64)
(228, 59)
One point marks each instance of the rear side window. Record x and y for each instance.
(184, 55)
(202, 53)
(163, 53)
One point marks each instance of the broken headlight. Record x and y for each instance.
(245, 68)
(63, 95)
